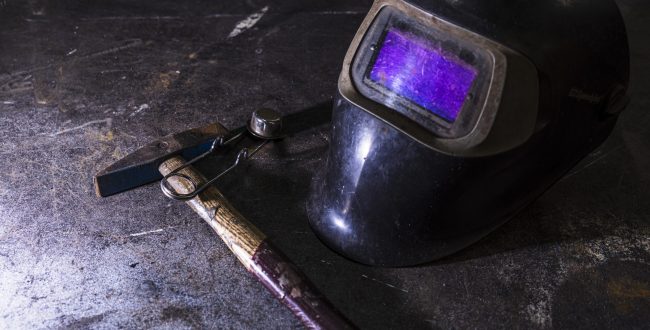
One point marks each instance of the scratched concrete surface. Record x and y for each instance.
(84, 83)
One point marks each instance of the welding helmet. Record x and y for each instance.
(451, 116)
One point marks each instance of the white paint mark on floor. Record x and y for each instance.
(248, 22)
(384, 283)
(346, 12)
(139, 109)
(147, 232)
(107, 121)
(39, 12)
(72, 52)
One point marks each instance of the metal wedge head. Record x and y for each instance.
(141, 166)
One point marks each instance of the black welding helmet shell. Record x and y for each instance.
(451, 116)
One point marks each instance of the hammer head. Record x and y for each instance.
(141, 166)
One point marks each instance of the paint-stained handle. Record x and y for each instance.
(257, 254)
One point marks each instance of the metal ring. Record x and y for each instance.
(172, 193)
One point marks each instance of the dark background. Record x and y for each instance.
(84, 83)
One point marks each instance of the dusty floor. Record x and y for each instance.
(81, 86)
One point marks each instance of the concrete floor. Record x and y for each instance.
(82, 85)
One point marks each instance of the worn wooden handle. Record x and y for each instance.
(257, 254)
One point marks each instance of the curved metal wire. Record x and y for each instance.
(242, 155)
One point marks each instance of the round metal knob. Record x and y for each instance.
(265, 124)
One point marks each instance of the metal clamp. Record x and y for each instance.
(265, 124)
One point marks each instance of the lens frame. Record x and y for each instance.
(504, 117)
(448, 46)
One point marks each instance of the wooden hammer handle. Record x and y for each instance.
(256, 253)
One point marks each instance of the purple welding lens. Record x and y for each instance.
(417, 71)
